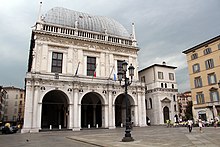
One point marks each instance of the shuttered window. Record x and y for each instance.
(200, 98)
(212, 78)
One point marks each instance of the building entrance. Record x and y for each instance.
(166, 114)
(91, 110)
(120, 110)
(54, 110)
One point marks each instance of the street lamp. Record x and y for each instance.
(121, 76)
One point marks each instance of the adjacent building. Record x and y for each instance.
(2, 103)
(160, 93)
(204, 71)
(71, 80)
(14, 105)
(183, 99)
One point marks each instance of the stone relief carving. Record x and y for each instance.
(76, 41)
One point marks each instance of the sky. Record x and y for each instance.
(164, 28)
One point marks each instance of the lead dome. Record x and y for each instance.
(66, 17)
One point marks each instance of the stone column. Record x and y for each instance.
(39, 115)
(136, 116)
(85, 116)
(72, 118)
(110, 111)
(144, 123)
(113, 116)
(139, 109)
(79, 116)
(94, 116)
(76, 111)
(35, 108)
(105, 117)
(28, 113)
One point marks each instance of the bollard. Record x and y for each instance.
(60, 127)
(121, 125)
(97, 126)
(50, 127)
(88, 125)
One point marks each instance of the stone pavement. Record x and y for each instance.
(152, 136)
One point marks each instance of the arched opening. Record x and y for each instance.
(150, 103)
(166, 114)
(145, 104)
(120, 110)
(54, 110)
(91, 110)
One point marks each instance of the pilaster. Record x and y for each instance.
(28, 114)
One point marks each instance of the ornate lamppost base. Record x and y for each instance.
(127, 139)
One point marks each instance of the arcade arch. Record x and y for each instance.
(92, 110)
(54, 110)
(120, 109)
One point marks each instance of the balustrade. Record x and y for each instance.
(85, 34)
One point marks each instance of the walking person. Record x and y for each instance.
(200, 124)
(190, 123)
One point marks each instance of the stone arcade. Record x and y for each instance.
(71, 83)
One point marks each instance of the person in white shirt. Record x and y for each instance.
(190, 123)
(200, 124)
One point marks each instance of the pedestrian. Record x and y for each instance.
(216, 121)
(200, 124)
(168, 123)
(190, 123)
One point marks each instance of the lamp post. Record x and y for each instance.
(122, 76)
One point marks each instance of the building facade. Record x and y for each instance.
(183, 99)
(2, 103)
(204, 72)
(14, 105)
(71, 81)
(160, 93)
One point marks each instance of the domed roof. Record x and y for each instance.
(66, 17)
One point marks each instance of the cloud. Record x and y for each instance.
(163, 30)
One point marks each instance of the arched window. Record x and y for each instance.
(150, 103)
(165, 85)
(172, 86)
(161, 85)
(174, 98)
(146, 104)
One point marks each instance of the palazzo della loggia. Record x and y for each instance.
(71, 82)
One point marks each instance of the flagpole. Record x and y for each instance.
(77, 69)
(111, 72)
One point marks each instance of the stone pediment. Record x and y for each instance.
(165, 100)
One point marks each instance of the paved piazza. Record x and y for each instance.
(146, 136)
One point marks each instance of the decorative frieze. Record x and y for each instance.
(50, 38)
